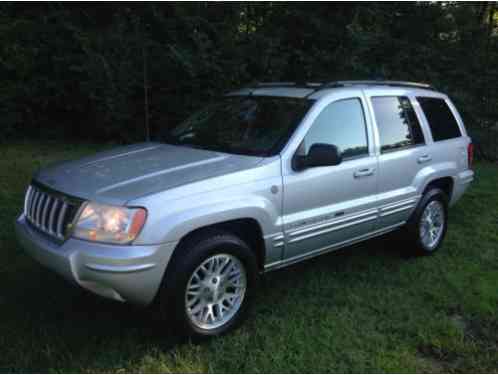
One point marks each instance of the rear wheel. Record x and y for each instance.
(429, 222)
(432, 224)
(208, 287)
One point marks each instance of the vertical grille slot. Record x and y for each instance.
(55, 206)
(48, 212)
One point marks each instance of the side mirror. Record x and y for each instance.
(319, 155)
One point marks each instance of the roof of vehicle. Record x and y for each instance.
(315, 90)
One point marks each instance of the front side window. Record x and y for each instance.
(397, 123)
(342, 124)
(248, 125)
(441, 121)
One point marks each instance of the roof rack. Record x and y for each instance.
(318, 86)
(289, 84)
(333, 84)
(380, 83)
(275, 84)
(345, 83)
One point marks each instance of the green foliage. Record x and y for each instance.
(78, 70)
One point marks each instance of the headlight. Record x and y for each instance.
(103, 223)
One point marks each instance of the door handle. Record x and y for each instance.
(364, 172)
(424, 159)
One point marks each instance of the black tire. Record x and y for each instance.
(187, 258)
(413, 226)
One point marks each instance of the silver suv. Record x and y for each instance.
(264, 177)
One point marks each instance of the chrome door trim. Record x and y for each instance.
(329, 226)
(320, 228)
(399, 206)
(296, 259)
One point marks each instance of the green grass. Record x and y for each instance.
(367, 308)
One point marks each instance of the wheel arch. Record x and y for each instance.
(440, 175)
(247, 229)
(446, 184)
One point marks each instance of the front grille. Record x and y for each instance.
(49, 212)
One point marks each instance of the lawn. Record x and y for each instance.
(367, 308)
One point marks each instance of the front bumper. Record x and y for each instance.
(124, 273)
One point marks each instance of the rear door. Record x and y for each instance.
(402, 152)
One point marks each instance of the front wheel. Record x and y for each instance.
(215, 292)
(208, 287)
(429, 222)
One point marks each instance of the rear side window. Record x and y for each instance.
(441, 121)
(397, 123)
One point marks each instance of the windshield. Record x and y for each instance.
(248, 125)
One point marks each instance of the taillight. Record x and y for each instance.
(470, 155)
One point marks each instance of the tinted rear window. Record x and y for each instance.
(397, 123)
(441, 121)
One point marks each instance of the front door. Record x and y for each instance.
(325, 207)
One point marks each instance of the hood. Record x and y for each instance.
(129, 172)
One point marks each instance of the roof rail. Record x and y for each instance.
(345, 83)
(317, 86)
(275, 84)
(289, 84)
(379, 83)
(333, 84)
